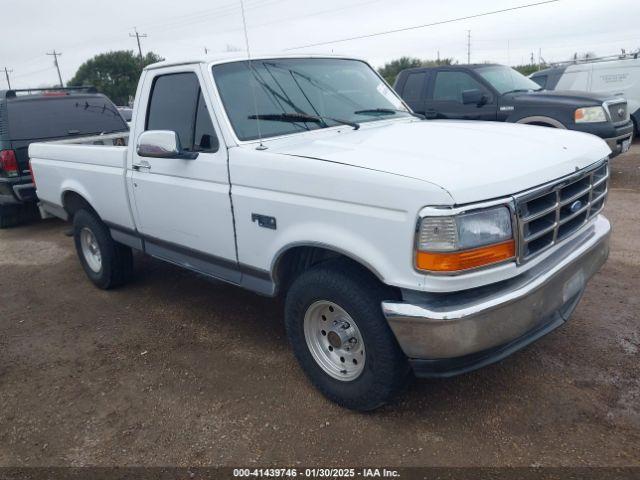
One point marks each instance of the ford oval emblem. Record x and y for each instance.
(575, 206)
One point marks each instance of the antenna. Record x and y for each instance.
(253, 88)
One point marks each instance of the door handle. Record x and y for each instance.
(143, 165)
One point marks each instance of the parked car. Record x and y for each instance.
(307, 177)
(613, 76)
(500, 93)
(33, 115)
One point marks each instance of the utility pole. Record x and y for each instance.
(539, 59)
(6, 73)
(468, 46)
(533, 60)
(55, 56)
(138, 36)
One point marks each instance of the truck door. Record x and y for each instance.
(183, 207)
(446, 97)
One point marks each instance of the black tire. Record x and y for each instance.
(14, 214)
(8, 217)
(386, 369)
(116, 259)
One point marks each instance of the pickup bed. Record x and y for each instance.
(400, 246)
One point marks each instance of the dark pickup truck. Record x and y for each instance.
(37, 115)
(499, 93)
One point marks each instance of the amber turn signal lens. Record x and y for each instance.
(457, 261)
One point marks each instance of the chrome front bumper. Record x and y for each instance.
(485, 324)
(615, 143)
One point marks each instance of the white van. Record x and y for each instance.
(620, 76)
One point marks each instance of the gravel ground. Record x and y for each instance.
(176, 370)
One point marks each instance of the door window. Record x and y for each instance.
(413, 87)
(573, 81)
(177, 104)
(540, 80)
(204, 138)
(450, 85)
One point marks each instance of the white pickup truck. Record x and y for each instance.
(401, 246)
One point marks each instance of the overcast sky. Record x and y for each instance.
(79, 30)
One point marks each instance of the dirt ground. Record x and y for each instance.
(176, 370)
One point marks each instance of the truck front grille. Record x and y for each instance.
(550, 214)
(618, 112)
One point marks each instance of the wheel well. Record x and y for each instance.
(295, 261)
(542, 121)
(540, 124)
(73, 202)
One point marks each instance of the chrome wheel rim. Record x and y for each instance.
(334, 340)
(90, 250)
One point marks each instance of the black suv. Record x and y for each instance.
(28, 116)
(500, 93)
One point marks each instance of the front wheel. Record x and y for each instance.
(107, 264)
(341, 339)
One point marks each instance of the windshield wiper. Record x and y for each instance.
(519, 90)
(301, 117)
(387, 111)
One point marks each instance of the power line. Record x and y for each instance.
(6, 73)
(297, 17)
(202, 15)
(138, 36)
(55, 56)
(26, 74)
(415, 27)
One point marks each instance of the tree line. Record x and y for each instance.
(115, 74)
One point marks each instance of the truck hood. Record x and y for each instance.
(473, 161)
(574, 98)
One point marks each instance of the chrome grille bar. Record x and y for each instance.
(549, 214)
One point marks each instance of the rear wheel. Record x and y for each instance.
(12, 215)
(107, 264)
(341, 339)
(8, 216)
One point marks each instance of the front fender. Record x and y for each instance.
(338, 240)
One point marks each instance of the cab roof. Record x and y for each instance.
(228, 57)
(48, 92)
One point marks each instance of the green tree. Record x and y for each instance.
(528, 69)
(391, 69)
(115, 74)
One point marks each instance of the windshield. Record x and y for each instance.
(506, 79)
(334, 90)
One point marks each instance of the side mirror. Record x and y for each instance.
(470, 97)
(162, 144)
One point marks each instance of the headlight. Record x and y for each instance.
(465, 241)
(590, 115)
